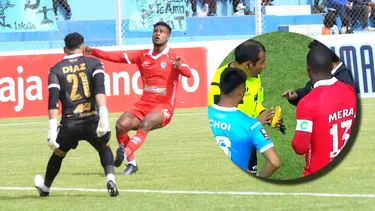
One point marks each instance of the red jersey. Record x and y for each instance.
(160, 78)
(325, 118)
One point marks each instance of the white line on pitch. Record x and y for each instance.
(45, 122)
(202, 192)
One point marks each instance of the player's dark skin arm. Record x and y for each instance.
(109, 56)
(272, 163)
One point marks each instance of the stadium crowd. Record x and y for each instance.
(351, 12)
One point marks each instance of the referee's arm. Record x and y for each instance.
(259, 109)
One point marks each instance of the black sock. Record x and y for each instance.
(53, 168)
(253, 160)
(107, 160)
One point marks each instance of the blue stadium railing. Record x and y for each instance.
(101, 30)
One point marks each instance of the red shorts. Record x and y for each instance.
(141, 109)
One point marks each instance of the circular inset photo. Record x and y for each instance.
(282, 106)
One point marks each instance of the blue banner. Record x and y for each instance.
(143, 14)
(357, 51)
(27, 16)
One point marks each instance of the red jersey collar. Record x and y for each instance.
(165, 51)
(327, 82)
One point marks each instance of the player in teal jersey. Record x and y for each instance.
(235, 132)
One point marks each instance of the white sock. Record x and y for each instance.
(132, 162)
(44, 188)
(110, 177)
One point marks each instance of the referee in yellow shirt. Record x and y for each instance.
(249, 57)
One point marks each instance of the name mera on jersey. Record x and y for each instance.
(307, 125)
(220, 125)
(341, 114)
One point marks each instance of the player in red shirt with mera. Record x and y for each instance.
(325, 117)
(160, 69)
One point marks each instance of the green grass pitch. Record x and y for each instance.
(184, 157)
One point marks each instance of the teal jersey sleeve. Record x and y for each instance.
(259, 137)
(237, 134)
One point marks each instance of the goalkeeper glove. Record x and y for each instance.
(103, 125)
(52, 134)
(277, 119)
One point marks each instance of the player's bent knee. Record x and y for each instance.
(59, 153)
(124, 126)
(146, 125)
(119, 126)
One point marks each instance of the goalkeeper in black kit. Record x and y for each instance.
(78, 83)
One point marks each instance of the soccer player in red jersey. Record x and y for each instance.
(325, 116)
(160, 69)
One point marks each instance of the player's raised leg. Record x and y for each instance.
(124, 124)
(156, 119)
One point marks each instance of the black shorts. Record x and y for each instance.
(71, 131)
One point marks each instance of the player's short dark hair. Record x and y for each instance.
(73, 41)
(248, 51)
(315, 43)
(230, 79)
(162, 23)
(319, 59)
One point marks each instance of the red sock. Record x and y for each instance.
(123, 139)
(129, 158)
(135, 143)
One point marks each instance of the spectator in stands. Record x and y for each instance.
(360, 11)
(340, 7)
(318, 8)
(65, 5)
(211, 4)
(372, 14)
(267, 3)
(330, 25)
(239, 5)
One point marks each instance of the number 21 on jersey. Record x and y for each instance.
(74, 79)
(334, 132)
(225, 144)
